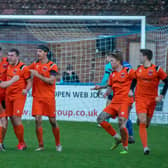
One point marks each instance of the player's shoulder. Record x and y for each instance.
(21, 65)
(51, 64)
(127, 69)
(156, 67)
(140, 66)
(4, 59)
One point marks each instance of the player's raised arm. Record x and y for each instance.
(98, 87)
(108, 91)
(5, 84)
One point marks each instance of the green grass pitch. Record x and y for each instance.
(84, 146)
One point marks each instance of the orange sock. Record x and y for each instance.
(124, 136)
(19, 132)
(1, 136)
(143, 134)
(39, 133)
(108, 128)
(56, 134)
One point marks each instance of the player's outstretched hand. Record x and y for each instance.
(97, 87)
(130, 94)
(105, 94)
(159, 98)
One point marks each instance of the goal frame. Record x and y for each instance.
(142, 20)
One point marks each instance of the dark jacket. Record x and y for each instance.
(67, 78)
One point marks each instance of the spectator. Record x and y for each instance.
(69, 75)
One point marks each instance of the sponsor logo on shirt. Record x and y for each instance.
(5, 66)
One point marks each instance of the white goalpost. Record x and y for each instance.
(83, 42)
(142, 20)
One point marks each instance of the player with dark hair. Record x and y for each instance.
(119, 82)
(147, 77)
(44, 78)
(16, 94)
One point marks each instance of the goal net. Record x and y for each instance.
(81, 44)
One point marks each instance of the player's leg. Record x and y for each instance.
(107, 103)
(19, 131)
(143, 131)
(129, 127)
(56, 133)
(122, 120)
(141, 109)
(39, 132)
(4, 122)
(37, 112)
(101, 119)
(18, 106)
(3, 128)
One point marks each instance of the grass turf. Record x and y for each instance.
(84, 146)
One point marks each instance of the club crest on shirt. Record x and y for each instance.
(14, 71)
(150, 72)
(5, 66)
(45, 68)
(122, 75)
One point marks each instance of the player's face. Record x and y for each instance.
(142, 58)
(12, 58)
(41, 54)
(115, 63)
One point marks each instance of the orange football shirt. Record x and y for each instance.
(148, 80)
(120, 83)
(40, 88)
(15, 90)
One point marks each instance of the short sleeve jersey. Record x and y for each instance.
(3, 76)
(15, 90)
(148, 80)
(120, 83)
(40, 88)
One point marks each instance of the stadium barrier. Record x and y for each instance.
(80, 103)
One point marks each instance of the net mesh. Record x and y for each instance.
(84, 45)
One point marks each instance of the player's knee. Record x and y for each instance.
(122, 123)
(100, 118)
(142, 121)
(38, 122)
(53, 122)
